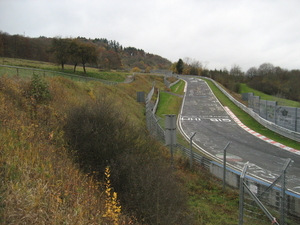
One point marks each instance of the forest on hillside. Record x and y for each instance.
(109, 54)
(99, 52)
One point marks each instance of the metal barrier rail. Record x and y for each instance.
(272, 199)
(271, 126)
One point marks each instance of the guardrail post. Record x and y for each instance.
(224, 166)
(191, 150)
(242, 191)
(283, 195)
(156, 120)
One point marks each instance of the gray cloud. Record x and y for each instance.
(246, 33)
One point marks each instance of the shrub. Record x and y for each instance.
(39, 89)
(112, 207)
(98, 132)
(148, 187)
(148, 69)
(102, 136)
(136, 69)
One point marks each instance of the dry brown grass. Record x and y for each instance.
(40, 183)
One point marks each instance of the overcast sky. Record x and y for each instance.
(218, 33)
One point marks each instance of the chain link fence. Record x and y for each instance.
(267, 203)
(269, 125)
(261, 202)
(25, 72)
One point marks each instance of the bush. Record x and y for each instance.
(148, 69)
(39, 89)
(147, 188)
(98, 133)
(136, 70)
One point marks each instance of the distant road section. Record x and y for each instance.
(202, 113)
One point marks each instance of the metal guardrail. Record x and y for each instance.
(272, 199)
(271, 126)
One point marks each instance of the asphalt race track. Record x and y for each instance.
(202, 113)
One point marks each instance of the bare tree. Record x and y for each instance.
(252, 72)
(266, 69)
(236, 70)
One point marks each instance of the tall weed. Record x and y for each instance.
(40, 183)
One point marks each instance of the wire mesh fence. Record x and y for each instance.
(283, 206)
(263, 202)
(271, 126)
(25, 72)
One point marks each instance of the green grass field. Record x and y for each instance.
(206, 197)
(171, 104)
(280, 101)
(116, 76)
(249, 121)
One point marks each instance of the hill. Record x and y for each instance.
(78, 153)
(109, 53)
(83, 157)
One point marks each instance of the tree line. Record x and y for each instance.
(267, 78)
(98, 52)
(188, 66)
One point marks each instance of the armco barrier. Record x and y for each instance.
(271, 126)
(273, 197)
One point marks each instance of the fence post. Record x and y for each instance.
(171, 133)
(156, 120)
(242, 191)
(296, 120)
(224, 166)
(283, 195)
(191, 148)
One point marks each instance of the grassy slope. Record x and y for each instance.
(208, 201)
(63, 199)
(91, 72)
(39, 181)
(280, 101)
(210, 204)
(249, 121)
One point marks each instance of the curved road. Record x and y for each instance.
(202, 113)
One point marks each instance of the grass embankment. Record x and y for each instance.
(117, 76)
(41, 184)
(249, 121)
(280, 101)
(40, 181)
(210, 204)
(170, 104)
(207, 200)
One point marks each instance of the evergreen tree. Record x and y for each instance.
(179, 66)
